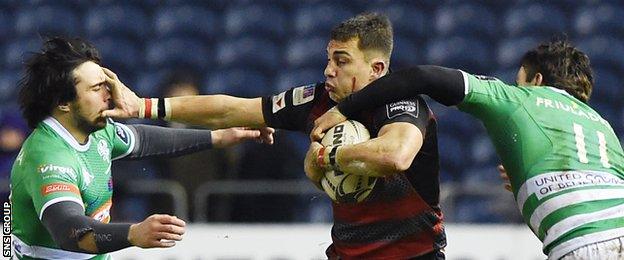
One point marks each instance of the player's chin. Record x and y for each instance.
(335, 97)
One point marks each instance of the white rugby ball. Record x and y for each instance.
(344, 187)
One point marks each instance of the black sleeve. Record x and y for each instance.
(442, 84)
(290, 109)
(67, 224)
(156, 141)
(414, 111)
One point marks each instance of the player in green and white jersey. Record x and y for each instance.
(61, 183)
(564, 162)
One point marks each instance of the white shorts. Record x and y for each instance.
(606, 250)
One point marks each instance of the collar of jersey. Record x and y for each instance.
(559, 91)
(60, 130)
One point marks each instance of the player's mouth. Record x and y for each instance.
(329, 87)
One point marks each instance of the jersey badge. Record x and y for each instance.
(404, 107)
(279, 102)
(303, 94)
(123, 136)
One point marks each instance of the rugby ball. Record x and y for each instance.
(340, 186)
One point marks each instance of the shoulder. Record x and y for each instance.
(414, 107)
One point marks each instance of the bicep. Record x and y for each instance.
(403, 136)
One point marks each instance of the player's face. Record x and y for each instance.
(92, 97)
(347, 70)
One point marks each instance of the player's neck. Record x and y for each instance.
(71, 126)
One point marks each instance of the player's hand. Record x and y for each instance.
(126, 103)
(313, 171)
(503, 175)
(156, 231)
(232, 136)
(331, 118)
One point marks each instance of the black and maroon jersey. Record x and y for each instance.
(401, 218)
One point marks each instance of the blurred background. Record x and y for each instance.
(253, 48)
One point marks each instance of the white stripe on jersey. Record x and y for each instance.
(59, 199)
(572, 222)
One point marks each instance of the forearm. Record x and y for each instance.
(216, 111)
(442, 84)
(155, 141)
(73, 231)
(372, 158)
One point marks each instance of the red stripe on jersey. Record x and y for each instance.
(417, 245)
(407, 206)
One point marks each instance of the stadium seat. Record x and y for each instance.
(298, 77)
(186, 21)
(148, 83)
(8, 85)
(510, 51)
(237, 82)
(113, 21)
(482, 151)
(307, 52)
(17, 51)
(405, 53)
(465, 20)
(407, 19)
(452, 152)
(319, 19)
(468, 54)
(607, 85)
(477, 209)
(600, 19)
(603, 51)
(46, 21)
(6, 25)
(177, 52)
(119, 54)
(257, 20)
(536, 19)
(255, 53)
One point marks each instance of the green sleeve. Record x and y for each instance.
(54, 177)
(490, 98)
(121, 138)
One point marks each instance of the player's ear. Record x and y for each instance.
(538, 79)
(379, 67)
(65, 107)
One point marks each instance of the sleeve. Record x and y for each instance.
(55, 179)
(414, 111)
(488, 97)
(290, 109)
(122, 139)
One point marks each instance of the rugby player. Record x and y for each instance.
(61, 183)
(401, 219)
(563, 160)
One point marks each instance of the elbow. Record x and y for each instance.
(398, 161)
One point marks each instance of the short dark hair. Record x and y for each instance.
(48, 79)
(562, 66)
(373, 30)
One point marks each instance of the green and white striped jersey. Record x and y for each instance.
(564, 161)
(52, 167)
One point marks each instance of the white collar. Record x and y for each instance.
(559, 91)
(62, 131)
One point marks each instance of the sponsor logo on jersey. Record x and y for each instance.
(103, 150)
(303, 94)
(102, 213)
(59, 187)
(402, 108)
(20, 157)
(279, 102)
(51, 168)
(123, 136)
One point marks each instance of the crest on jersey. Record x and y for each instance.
(303, 94)
(103, 150)
(123, 136)
(279, 102)
(404, 107)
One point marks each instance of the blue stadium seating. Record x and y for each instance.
(607, 85)
(6, 25)
(256, 53)
(452, 153)
(257, 20)
(603, 51)
(468, 54)
(17, 51)
(112, 21)
(120, 55)
(293, 78)
(405, 53)
(319, 19)
(177, 52)
(148, 83)
(535, 19)
(407, 19)
(186, 21)
(47, 20)
(237, 82)
(601, 19)
(466, 20)
(482, 151)
(307, 52)
(511, 50)
(8, 85)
